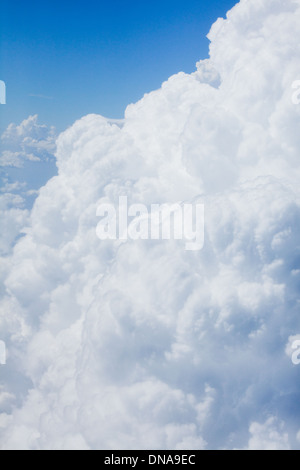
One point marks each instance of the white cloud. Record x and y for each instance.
(28, 141)
(22, 145)
(268, 436)
(43, 97)
(144, 345)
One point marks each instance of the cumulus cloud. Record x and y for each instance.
(143, 344)
(22, 148)
(268, 436)
(28, 141)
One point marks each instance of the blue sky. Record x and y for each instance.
(62, 60)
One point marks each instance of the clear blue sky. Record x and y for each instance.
(93, 56)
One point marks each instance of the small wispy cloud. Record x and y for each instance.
(43, 97)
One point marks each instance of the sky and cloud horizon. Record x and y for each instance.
(96, 56)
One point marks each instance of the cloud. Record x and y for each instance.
(13, 219)
(28, 141)
(144, 345)
(23, 147)
(268, 436)
(42, 97)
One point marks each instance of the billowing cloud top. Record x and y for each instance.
(142, 344)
